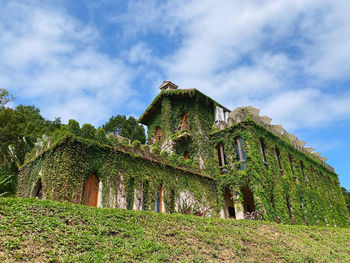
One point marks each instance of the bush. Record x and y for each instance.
(155, 148)
(6, 184)
(101, 136)
(164, 155)
(74, 128)
(136, 143)
(88, 131)
(180, 161)
(188, 162)
(173, 158)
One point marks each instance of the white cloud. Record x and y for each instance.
(277, 55)
(51, 58)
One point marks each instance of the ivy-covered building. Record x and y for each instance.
(200, 158)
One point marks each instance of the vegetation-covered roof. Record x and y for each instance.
(156, 103)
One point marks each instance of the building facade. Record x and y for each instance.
(201, 158)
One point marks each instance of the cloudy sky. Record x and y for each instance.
(89, 60)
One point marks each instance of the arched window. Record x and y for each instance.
(221, 157)
(239, 150)
(185, 124)
(158, 135)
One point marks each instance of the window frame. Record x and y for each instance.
(220, 150)
(263, 152)
(239, 149)
(158, 134)
(185, 122)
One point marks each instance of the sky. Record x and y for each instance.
(90, 60)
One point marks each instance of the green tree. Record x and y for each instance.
(346, 197)
(126, 127)
(19, 130)
(5, 97)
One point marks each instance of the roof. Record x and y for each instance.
(156, 103)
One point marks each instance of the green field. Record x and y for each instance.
(46, 231)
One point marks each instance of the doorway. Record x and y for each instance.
(37, 190)
(229, 204)
(91, 191)
(248, 199)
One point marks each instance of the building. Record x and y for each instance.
(201, 158)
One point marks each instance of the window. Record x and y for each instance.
(292, 169)
(185, 122)
(278, 158)
(239, 150)
(221, 158)
(290, 164)
(262, 151)
(304, 174)
(159, 199)
(158, 135)
(186, 155)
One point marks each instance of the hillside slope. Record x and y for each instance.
(41, 231)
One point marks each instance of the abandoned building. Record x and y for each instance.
(200, 158)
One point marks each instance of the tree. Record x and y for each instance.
(4, 97)
(129, 128)
(346, 197)
(19, 130)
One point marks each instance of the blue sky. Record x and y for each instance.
(89, 60)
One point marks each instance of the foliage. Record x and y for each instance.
(20, 129)
(126, 127)
(46, 231)
(278, 192)
(112, 164)
(346, 195)
(308, 195)
(5, 97)
(88, 131)
(136, 143)
(6, 184)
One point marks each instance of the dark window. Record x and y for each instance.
(221, 157)
(186, 155)
(185, 122)
(262, 151)
(158, 135)
(278, 158)
(239, 150)
(292, 168)
(231, 211)
(304, 174)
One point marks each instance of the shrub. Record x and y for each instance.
(74, 128)
(101, 136)
(136, 143)
(164, 155)
(155, 148)
(88, 131)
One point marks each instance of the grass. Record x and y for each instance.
(47, 231)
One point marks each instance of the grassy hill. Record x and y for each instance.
(46, 231)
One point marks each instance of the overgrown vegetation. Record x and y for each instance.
(126, 127)
(47, 231)
(346, 195)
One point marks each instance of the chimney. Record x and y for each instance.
(168, 85)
